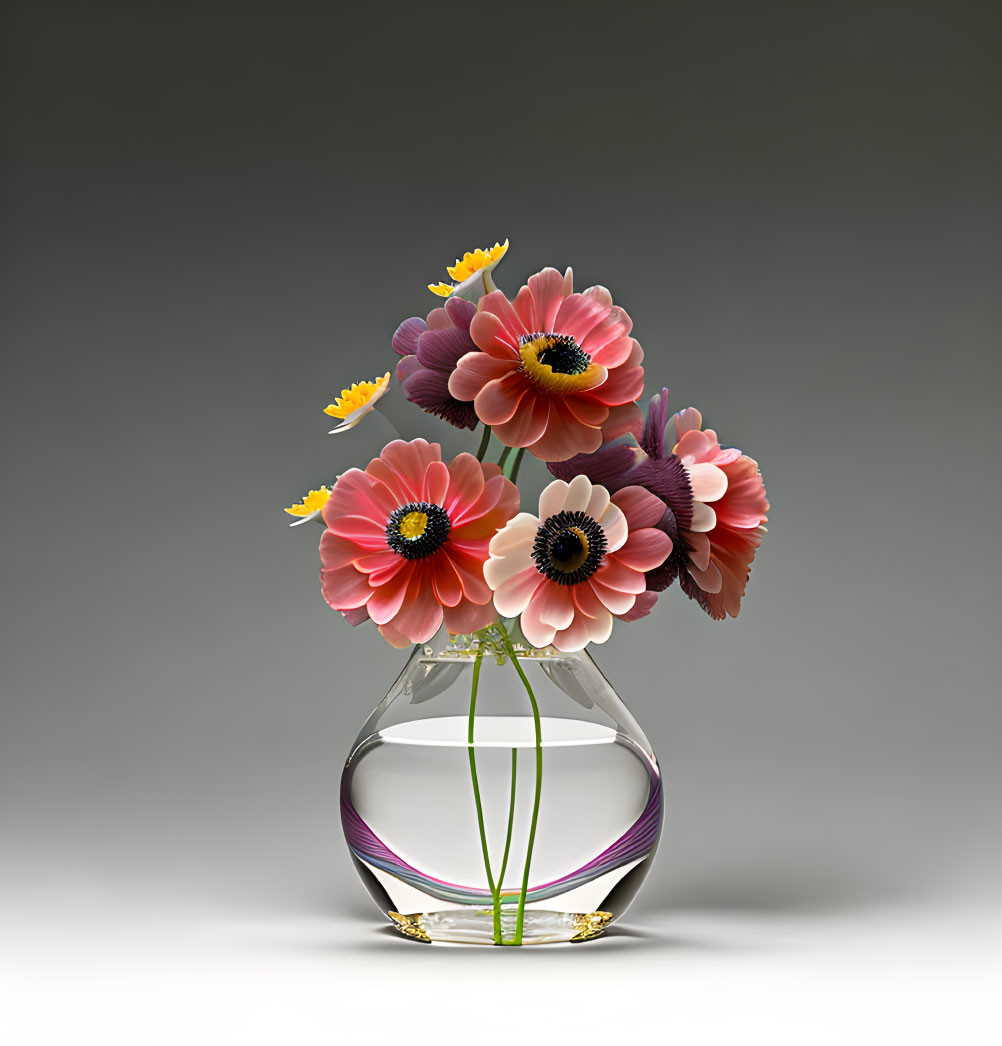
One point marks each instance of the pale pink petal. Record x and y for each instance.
(498, 305)
(394, 638)
(575, 636)
(616, 325)
(420, 615)
(681, 423)
(519, 532)
(524, 309)
(512, 596)
(704, 518)
(696, 446)
(339, 552)
(624, 384)
(614, 574)
(612, 599)
(698, 546)
(538, 634)
(599, 293)
(578, 494)
(438, 319)
(556, 606)
(707, 481)
(598, 502)
(709, 580)
(551, 501)
(409, 460)
(615, 525)
(745, 504)
(600, 627)
(586, 601)
(498, 570)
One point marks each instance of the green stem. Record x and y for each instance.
(476, 795)
(504, 458)
(539, 785)
(483, 443)
(511, 820)
(513, 476)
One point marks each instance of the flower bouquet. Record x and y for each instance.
(500, 605)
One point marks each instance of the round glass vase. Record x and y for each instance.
(501, 794)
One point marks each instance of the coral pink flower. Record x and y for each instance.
(581, 561)
(728, 510)
(406, 541)
(716, 504)
(558, 371)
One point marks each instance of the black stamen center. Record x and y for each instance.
(417, 530)
(569, 548)
(561, 353)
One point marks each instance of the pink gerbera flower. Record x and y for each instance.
(407, 539)
(581, 561)
(558, 371)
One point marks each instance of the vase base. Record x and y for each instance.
(476, 926)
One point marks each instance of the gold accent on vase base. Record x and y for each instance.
(409, 926)
(591, 925)
(566, 927)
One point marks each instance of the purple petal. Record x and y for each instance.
(405, 339)
(653, 439)
(612, 467)
(442, 349)
(461, 312)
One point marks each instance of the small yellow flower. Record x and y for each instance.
(354, 403)
(310, 507)
(472, 273)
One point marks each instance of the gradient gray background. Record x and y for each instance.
(214, 219)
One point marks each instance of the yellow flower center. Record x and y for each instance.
(557, 365)
(413, 525)
(359, 395)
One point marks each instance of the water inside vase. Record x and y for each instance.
(410, 819)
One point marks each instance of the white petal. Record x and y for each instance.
(513, 595)
(520, 530)
(708, 482)
(598, 502)
(316, 514)
(578, 494)
(498, 569)
(704, 519)
(551, 501)
(613, 522)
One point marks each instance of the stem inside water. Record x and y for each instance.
(537, 725)
(476, 796)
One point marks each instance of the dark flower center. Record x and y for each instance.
(569, 548)
(418, 529)
(560, 353)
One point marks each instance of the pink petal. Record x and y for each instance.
(408, 461)
(586, 410)
(497, 304)
(380, 560)
(420, 615)
(698, 547)
(745, 504)
(527, 424)
(552, 499)
(587, 601)
(614, 354)
(339, 552)
(365, 532)
(616, 325)
(640, 506)
(614, 574)
(645, 549)
(468, 617)
(578, 494)
(615, 601)
(493, 337)
(519, 532)
(696, 446)
(538, 634)
(474, 371)
(512, 596)
(388, 598)
(704, 519)
(578, 316)
(466, 484)
(344, 588)
(500, 569)
(565, 436)
(709, 580)
(498, 400)
(547, 290)
(643, 606)
(623, 419)
(575, 636)
(624, 384)
(613, 521)
(556, 606)
(446, 582)
(471, 573)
